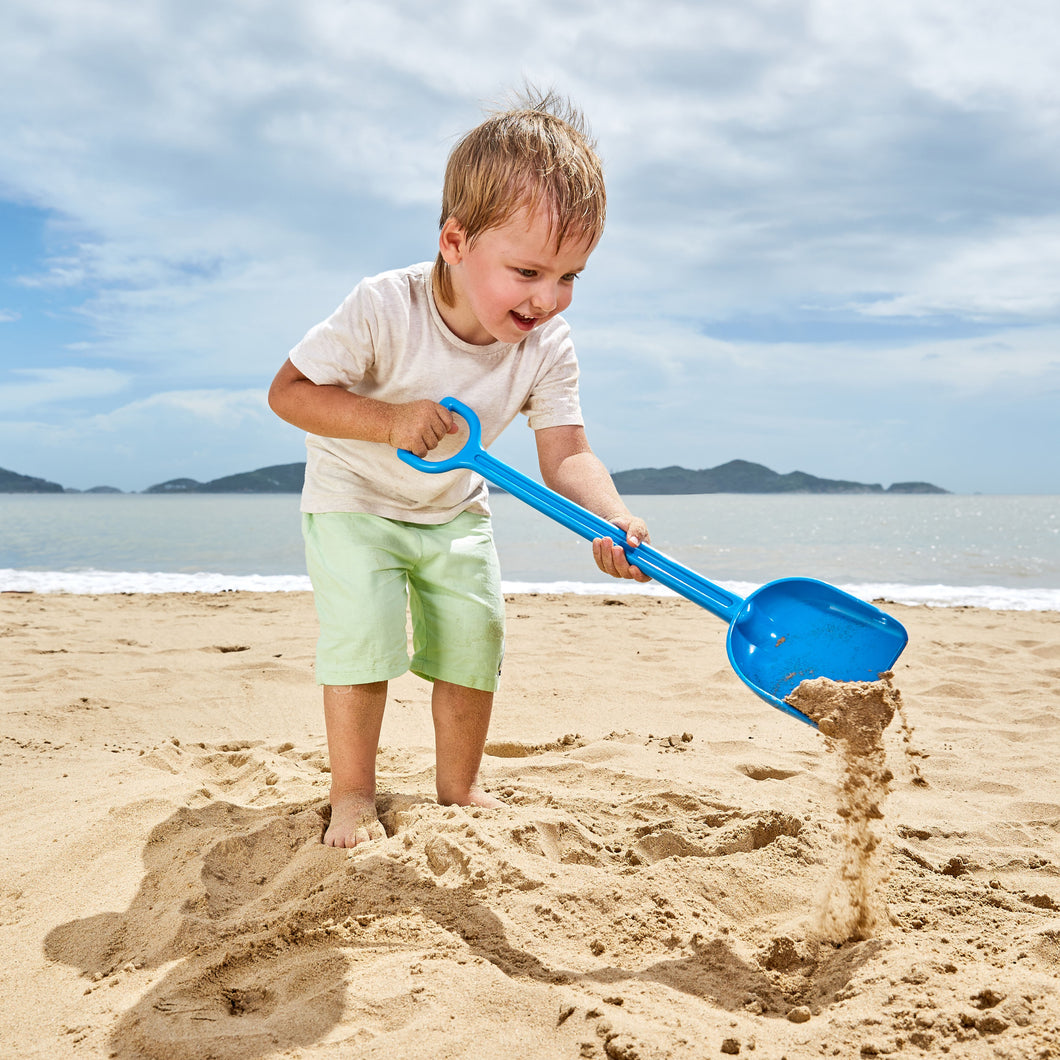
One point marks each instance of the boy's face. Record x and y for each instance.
(511, 279)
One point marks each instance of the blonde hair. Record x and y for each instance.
(537, 152)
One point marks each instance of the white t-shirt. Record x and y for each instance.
(388, 341)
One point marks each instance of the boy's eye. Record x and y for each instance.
(530, 274)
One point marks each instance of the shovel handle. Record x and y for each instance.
(661, 567)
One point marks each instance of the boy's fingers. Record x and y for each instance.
(436, 427)
(611, 559)
(447, 420)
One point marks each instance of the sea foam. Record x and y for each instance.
(993, 597)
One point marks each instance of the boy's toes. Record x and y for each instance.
(369, 831)
(351, 825)
(362, 833)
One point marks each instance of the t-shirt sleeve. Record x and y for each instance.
(339, 351)
(554, 400)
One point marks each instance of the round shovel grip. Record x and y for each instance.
(464, 457)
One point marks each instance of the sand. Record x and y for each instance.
(853, 717)
(653, 888)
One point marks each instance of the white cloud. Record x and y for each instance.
(669, 363)
(970, 52)
(1011, 273)
(30, 388)
(230, 408)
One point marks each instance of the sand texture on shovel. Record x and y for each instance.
(650, 890)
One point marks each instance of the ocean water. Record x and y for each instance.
(952, 550)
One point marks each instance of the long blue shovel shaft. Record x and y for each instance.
(573, 516)
(660, 566)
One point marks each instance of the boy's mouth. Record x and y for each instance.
(523, 323)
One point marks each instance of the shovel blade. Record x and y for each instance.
(794, 629)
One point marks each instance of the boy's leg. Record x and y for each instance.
(461, 721)
(353, 716)
(356, 563)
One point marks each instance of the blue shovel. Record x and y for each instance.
(785, 632)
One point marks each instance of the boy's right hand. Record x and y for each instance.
(419, 426)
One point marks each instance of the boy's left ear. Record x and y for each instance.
(452, 241)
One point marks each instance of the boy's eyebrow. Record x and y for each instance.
(530, 263)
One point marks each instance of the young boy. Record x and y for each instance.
(522, 210)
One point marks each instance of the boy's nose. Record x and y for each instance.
(543, 300)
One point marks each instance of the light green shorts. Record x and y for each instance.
(370, 573)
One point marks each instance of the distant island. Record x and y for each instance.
(741, 476)
(737, 476)
(12, 482)
(280, 478)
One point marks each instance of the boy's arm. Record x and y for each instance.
(569, 466)
(334, 412)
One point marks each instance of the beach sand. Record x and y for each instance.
(655, 887)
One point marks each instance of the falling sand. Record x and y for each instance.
(853, 716)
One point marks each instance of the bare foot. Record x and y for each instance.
(353, 821)
(475, 797)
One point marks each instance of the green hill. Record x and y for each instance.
(280, 478)
(742, 476)
(737, 476)
(12, 482)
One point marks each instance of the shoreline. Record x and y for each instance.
(652, 887)
(153, 583)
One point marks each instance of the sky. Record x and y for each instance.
(833, 238)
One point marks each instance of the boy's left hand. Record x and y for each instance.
(611, 557)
